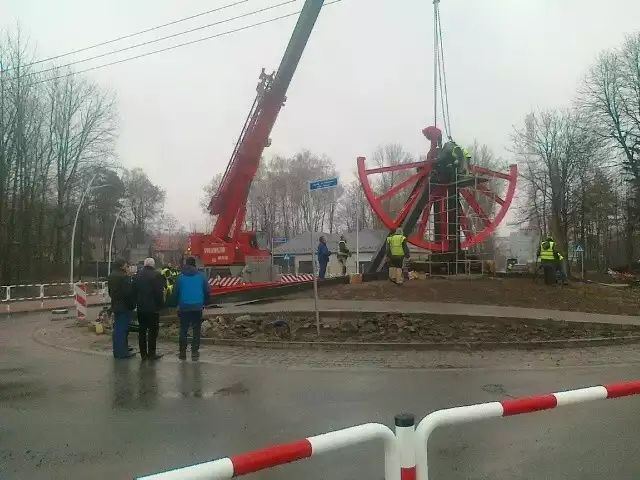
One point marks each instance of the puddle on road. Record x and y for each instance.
(497, 388)
(20, 390)
(237, 388)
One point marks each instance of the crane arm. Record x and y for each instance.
(245, 160)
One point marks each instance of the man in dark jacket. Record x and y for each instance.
(122, 304)
(323, 257)
(192, 294)
(148, 288)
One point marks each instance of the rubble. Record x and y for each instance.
(406, 328)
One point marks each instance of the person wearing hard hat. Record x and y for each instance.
(434, 135)
(397, 251)
(343, 254)
(466, 163)
(550, 258)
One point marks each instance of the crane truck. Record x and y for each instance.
(227, 248)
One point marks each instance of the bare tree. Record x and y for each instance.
(610, 97)
(145, 200)
(556, 149)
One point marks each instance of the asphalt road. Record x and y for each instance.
(77, 416)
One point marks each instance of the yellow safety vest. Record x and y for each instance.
(547, 253)
(395, 245)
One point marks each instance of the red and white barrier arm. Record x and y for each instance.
(471, 413)
(251, 462)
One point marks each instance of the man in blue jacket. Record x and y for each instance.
(192, 294)
(323, 257)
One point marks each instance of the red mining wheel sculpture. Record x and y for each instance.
(471, 223)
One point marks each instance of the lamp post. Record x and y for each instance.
(75, 224)
(113, 231)
(358, 200)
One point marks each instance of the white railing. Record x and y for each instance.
(47, 291)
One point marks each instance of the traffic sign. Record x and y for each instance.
(279, 240)
(322, 184)
(579, 248)
(286, 257)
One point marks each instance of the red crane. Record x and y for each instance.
(227, 245)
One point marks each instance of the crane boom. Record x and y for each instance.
(243, 166)
(227, 245)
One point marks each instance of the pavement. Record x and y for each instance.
(305, 305)
(71, 415)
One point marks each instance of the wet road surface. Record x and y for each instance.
(77, 416)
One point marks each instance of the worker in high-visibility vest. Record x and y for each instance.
(397, 251)
(550, 258)
(560, 269)
(169, 280)
(343, 254)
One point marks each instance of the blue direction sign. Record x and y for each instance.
(322, 184)
(279, 240)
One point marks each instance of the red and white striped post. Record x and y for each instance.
(405, 435)
(471, 413)
(81, 301)
(251, 462)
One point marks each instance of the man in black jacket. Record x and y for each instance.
(122, 304)
(148, 288)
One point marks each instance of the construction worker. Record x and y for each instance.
(434, 135)
(169, 280)
(560, 269)
(343, 254)
(550, 260)
(397, 251)
(466, 162)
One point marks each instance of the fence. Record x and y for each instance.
(251, 462)
(223, 282)
(47, 291)
(405, 451)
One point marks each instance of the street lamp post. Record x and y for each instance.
(75, 224)
(113, 231)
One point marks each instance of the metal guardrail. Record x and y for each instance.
(46, 291)
(405, 451)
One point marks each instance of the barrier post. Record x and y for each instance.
(81, 302)
(508, 408)
(41, 296)
(8, 299)
(251, 462)
(405, 436)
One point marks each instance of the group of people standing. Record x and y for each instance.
(150, 293)
(324, 254)
(397, 250)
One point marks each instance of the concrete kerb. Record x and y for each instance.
(423, 346)
(389, 346)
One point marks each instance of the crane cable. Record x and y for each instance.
(440, 92)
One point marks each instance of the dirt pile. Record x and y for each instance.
(514, 292)
(353, 327)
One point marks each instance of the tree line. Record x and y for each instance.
(57, 133)
(580, 164)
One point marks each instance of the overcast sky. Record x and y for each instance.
(365, 78)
